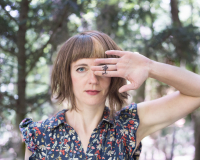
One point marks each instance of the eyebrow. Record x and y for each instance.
(82, 64)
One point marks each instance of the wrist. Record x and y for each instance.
(151, 66)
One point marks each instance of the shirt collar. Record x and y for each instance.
(106, 114)
(59, 118)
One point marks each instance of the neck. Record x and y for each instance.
(86, 118)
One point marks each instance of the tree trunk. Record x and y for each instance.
(140, 96)
(174, 13)
(21, 58)
(177, 23)
(173, 144)
(196, 118)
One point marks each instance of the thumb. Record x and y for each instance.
(127, 88)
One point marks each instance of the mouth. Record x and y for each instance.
(92, 92)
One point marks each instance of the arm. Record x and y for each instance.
(28, 153)
(159, 113)
(186, 82)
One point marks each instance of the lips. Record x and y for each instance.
(92, 92)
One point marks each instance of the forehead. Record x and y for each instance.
(85, 61)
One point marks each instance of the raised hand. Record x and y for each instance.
(132, 66)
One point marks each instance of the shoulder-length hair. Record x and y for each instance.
(89, 44)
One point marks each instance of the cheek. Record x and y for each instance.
(107, 82)
(75, 81)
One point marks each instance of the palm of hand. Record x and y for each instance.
(132, 66)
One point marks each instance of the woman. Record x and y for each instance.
(88, 78)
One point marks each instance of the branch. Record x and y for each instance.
(161, 37)
(33, 82)
(12, 101)
(7, 82)
(13, 107)
(39, 52)
(39, 83)
(35, 107)
(8, 14)
(11, 51)
(44, 96)
(38, 97)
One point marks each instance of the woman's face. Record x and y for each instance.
(88, 88)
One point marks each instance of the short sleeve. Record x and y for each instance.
(28, 129)
(129, 120)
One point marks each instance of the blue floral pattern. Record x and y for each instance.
(54, 139)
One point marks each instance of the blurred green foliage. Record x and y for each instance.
(34, 30)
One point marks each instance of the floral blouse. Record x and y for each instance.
(54, 139)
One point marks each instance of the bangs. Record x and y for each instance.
(88, 47)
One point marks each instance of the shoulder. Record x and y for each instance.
(28, 125)
(128, 112)
(51, 122)
(127, 118)
(127, 123)
(33, 132)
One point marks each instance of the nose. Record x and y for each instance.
(93, 79)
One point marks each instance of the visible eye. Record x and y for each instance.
(81, 69)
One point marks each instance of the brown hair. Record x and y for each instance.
(89, 44)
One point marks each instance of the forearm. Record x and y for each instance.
(188, 83)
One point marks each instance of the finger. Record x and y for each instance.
(102, 68)
(106, 61)
(107, 73)
(116, 52)
(127, 87)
